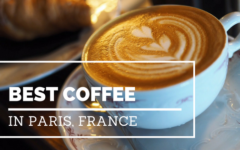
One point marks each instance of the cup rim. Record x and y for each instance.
(137, 10)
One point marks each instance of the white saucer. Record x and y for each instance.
(218, 128)
(76, 80)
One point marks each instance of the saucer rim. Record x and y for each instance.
(61, 128)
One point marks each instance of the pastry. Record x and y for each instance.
(29, 19)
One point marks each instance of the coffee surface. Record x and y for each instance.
(161, 33)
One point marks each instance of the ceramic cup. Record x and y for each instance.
(207, 86)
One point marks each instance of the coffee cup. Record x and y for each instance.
(211, 70)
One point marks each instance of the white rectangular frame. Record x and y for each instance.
(114, 109)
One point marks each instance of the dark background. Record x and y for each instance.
(216, 7)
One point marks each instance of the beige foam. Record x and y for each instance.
(169, 33)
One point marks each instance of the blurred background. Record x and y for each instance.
(216, 7)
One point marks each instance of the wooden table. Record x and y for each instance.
(56, 80)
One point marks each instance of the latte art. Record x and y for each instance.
(192, 33)
(167, 33)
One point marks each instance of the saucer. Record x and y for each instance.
(77, 80)
(216, 128)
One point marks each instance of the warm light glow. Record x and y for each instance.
(99, 6)
(111, 5)
(91, 104)
(95, 104)
(95, 15)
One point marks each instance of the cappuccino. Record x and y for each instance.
(160, 33)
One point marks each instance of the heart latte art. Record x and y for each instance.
(166, 33)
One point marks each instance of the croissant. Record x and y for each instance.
(28, 19)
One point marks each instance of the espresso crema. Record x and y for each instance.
(160, 33)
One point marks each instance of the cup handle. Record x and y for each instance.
(228, 21)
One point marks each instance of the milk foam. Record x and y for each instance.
(184, 50)
(167, 34)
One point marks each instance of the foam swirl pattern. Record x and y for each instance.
(168, 33)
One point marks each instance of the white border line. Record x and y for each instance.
(95, 137)
(94, 109)
(98, 62)
(194, 106)
(106, 137)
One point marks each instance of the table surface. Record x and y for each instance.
(55, 80)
